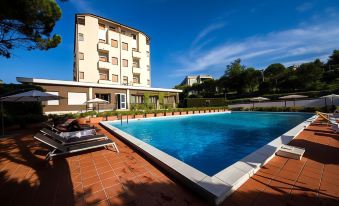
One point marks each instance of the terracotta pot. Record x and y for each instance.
(159, 114)
(207, 111)
(201, 111)
(83, 120)
(176, 113)
(95, 120)
(190, 112)
(183, 112)
(139, 116)
(112, 118)
(149, 115)
(169, 113)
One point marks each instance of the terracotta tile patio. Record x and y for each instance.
(103, 177)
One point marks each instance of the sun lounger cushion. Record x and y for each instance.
(78, 134)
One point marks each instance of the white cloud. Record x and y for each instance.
(282, 46)
(207, 30)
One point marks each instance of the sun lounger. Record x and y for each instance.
(59, 149)
(72, 140)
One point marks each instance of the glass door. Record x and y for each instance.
(121, 101)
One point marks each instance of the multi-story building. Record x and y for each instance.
(198, 79)
(111, 53)
(111, 62)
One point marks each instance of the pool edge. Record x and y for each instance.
(218, 187)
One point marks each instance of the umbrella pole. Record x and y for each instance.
(2, 119)
(285, 104)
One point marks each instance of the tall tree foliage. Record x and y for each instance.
(239, 79)
(28, 24)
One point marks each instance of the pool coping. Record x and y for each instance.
(218, 187)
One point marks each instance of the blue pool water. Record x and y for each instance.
(212, 142)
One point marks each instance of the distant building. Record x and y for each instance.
(198, 79)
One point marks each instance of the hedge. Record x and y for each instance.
(281, 109)
(203, 102)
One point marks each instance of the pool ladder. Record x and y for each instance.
(121, 119)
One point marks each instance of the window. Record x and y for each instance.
(148, 82)
(137, 99)
(115, 78)
(153, 99)
(134, 36)
(101, 26)
(53, 102)
(125, 63)
(102, 41)
(81, 37)
(147, 41)
(114, 43)
(81, 20)
(76, 98)
(125, 80)
(103, 57)
(103, 74)
(106, 97)
(123, 31)
(82, 75)
(136, 63)
(124, 46)
(147, 53)
(114, 61)
(112, 28)
(136, 78)
(81, 56)
(148, 69)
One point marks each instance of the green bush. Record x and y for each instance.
(205, 102)
(88, 114)
(280, 109)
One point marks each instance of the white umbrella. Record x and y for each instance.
(97, 101)
(294, 97)
(258, 99)
(30, 96)
(330, 96)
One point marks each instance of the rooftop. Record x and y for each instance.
(89, 84)
(103, 177)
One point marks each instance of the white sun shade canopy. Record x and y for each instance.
(97, 100)
(258, 99)
(331, 96)
(30, 96)
(293, 96)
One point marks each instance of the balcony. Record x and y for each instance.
(103, 46)
(104, 65)
(136, 54)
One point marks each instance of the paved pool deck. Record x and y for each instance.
(103, 177)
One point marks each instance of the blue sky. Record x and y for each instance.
(196, 37)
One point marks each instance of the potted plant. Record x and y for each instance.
(159, 113)
(139, 115)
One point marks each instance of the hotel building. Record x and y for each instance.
(111, 62)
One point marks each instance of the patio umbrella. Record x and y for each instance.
(292, 97)
(330, 96)
(258, 99)
(30, 96)
(97, 101)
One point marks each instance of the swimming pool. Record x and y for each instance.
(212, 142)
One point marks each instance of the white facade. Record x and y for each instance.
(110, 53)
(190, 80)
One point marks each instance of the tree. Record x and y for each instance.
(333, 60)
(272, 73)
(251, 78)
(234, 69)
(28, 24)
(308, 74)
(233, 73)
